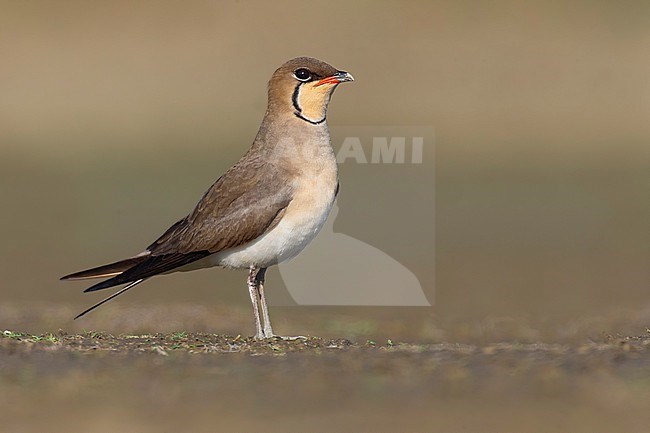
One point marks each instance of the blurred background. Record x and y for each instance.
(116, 116)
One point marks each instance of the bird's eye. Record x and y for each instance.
(302, 74)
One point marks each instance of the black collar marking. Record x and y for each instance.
(296, 105)
(300, 116)
(294, 97)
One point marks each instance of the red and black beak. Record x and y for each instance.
(339, 77)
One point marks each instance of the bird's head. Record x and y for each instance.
(302, 88)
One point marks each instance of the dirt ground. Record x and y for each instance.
(195, 382)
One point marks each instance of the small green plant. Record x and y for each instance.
(91, 334)
(179, 335)
(12, 334)
(50, 338)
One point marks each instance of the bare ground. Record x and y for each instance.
(182, 381)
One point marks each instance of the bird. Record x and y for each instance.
(263, 210)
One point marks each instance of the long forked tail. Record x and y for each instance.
(146, 267)
(151, 266)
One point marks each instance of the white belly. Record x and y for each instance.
(297, 228)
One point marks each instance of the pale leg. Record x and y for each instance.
(268, 330)
(252, 291)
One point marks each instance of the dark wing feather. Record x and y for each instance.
(154, 265)
(241, 206)
(106, 270)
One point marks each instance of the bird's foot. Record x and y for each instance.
(264, 335)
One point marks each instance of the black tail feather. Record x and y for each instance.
(108, 270)
(153, 265)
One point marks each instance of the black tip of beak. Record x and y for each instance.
(343, 76)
